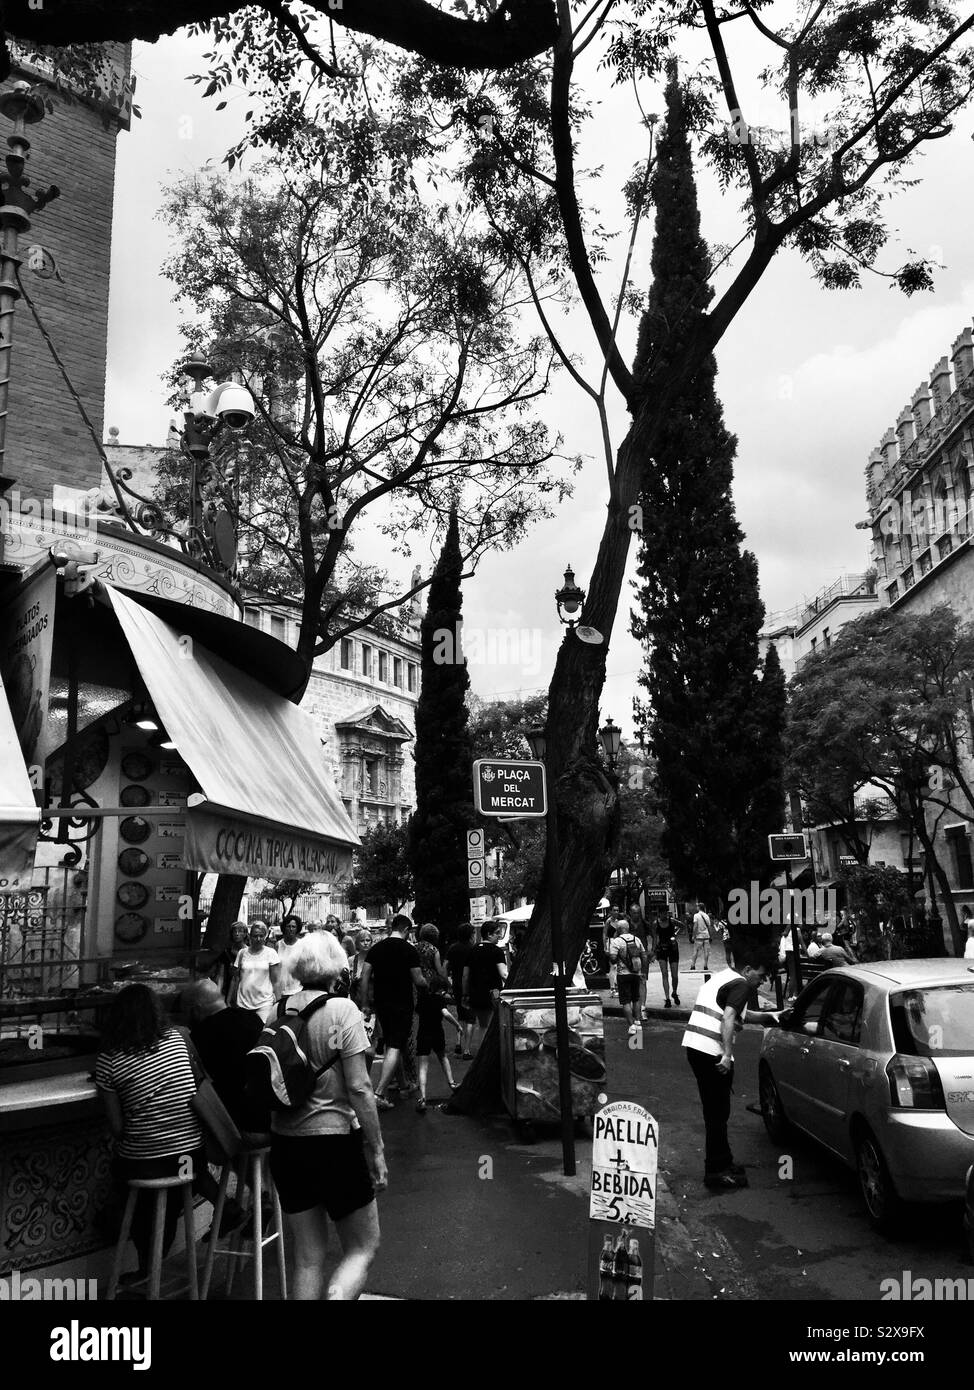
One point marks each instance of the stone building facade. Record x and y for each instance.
(812, 625)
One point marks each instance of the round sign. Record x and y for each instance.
(475, 841)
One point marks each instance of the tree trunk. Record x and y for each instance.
(579, 790)
(940, 874)
(224, 911)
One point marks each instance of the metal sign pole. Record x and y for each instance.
(561, 995)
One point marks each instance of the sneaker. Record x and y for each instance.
(667, 1005)
(633, 1029)
(384, 1104)
(676, 999)
(724, 1182)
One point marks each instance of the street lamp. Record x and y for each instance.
(227, 406)
(569, 599)
(537, 742)
(611, 738)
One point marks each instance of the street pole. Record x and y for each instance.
(553, 872)
(795, 941)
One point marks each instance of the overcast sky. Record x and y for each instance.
(809, 379)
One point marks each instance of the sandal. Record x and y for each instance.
(384, 1104)
(421, 1107)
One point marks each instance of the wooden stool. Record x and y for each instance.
(253, 1204)
(161, 1187)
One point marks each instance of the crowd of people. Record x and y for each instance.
(359, 993)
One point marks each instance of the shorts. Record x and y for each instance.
(628, 988)
(397, 1027)
(464, 1015)
(321, 1170)
(483, 1015)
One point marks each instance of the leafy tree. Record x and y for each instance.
(699, 609)
(888, 704)
(765, 814)
(286, 891)
(882, 895)
(382, 873)
(639, 850)
(444, 812)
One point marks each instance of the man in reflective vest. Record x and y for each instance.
(722, 1010)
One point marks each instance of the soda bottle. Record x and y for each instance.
(606, 1278)
(634, 1288)
(620, 1269)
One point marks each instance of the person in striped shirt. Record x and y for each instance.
(146, 1080)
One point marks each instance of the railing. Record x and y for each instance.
(915, 456)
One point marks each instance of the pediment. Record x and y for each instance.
(378, 722)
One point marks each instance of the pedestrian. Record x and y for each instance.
(627, 954)
(256, 973)
(333, 924)
(291, 929)
(668, 955)
(392, 972)
(456, 960)
(483, 975)
(223, 966)
(611, 931)
(725, 1003)
(145, 1078)
(363, 945)
(702, 931)
(223, 1037)
(967, 925)
(327, 1158)
(432, 1009)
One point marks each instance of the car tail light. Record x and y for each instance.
(914, 1083)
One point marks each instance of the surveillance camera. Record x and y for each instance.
(232, 404)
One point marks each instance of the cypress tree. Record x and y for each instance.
(444, 797)
(700, 612)
(765, 815)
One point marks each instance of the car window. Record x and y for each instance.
(842, 1019)
(808, 1008)
(937, 1022)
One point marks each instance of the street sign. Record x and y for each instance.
(656, 895)
(622, 1204)
(509, 789)
(847, 861)
(475, 843)
(785, 848)
(478, 910)
(475, 873)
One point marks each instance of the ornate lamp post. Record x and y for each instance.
(610, 736)
(24, 107)
(569, 599)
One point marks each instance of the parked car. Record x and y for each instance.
(969, 1211)
(876, 1062)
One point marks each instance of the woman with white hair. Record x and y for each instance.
(327, 1157)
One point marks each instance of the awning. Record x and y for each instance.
(19, 815)
(269, 808)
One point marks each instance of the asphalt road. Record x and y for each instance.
(803, 1237)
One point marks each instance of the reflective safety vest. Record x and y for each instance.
(704, 1024)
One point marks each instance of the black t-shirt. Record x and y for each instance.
(484, 976)
(666, 942)
(392, 960)
(738, 995)
(223, 1041)
(456, 958)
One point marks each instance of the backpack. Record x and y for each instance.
(278, 1071)
(635, 967)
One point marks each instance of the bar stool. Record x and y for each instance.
(161, 1187)
(256, 1160)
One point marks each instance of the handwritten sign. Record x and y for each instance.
(625, 1155)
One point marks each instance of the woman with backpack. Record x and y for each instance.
(433, 1007)
(627, 953)
(327, 1158)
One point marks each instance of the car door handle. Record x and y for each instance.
(844, 1063)
(805, 1050)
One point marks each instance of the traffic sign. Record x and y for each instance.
(510, 789)
(847, 861)
(475, 873)
(785, 848)
(475, 843)
(478, 910)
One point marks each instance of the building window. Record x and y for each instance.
(411, 677)
(892, 592)
(366, 659)
(279, 627)
(944, 546)
(252, 617)
(826, 638)
(925, 562)
(384, 666)
(397, 671)
(370, 782)
(348, 654)
(960, 847)
(814, 644)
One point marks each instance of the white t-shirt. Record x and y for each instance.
(255, 990)
(701, 926)
(289, 985)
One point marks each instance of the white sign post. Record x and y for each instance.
(622, 1203)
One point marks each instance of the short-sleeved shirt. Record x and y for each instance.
(288, 984)
(223, 1041)
(624, 952)
(737, 995)
(337, 1026)
(255, 990)
(484, 975)
(154, 1089)
(392, 962)
(701, 926)
(456, 958)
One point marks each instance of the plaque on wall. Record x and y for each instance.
(169, 861)
(135, 830)
(132, 894)
(133, 862)
(171, 829)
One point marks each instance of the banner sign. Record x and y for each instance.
(622, 1204)
(26, 646)
(509, 789)
(224, 844)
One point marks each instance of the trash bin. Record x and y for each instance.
(529, 1053)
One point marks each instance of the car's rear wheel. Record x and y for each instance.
(884, 1207)
(772, 1111)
